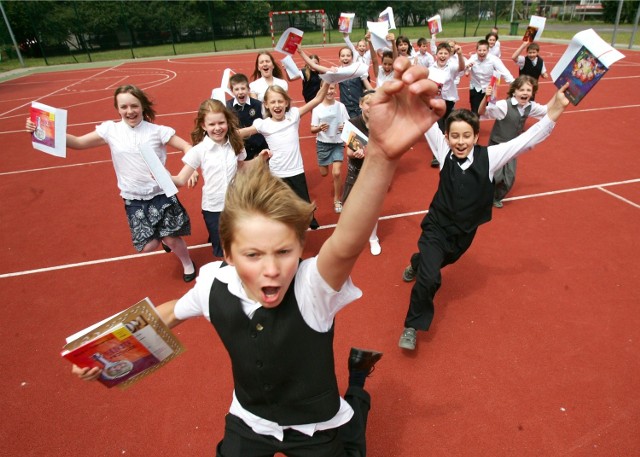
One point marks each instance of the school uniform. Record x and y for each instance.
(150, 213)
(463, 202)
(510, 119)
(283, 397)
(481, 72)
(246, 114)
(260, 86)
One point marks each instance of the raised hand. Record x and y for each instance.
(402, 110)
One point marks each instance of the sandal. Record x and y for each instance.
(337, 206)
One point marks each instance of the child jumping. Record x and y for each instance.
(461, 203)
(327, 121)
(275, 314)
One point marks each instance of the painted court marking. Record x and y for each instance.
(600, 187)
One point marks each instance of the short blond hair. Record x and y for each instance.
(255, 191)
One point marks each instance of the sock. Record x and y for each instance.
(357, 377)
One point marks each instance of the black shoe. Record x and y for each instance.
(434, 163)
(363, 360)
(191, 276)
(165, 247)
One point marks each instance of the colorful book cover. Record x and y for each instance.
(289, 41)
(51, 128)
(120, 355)
(353, 137)
(493, 83)
(128, 346)
(435, 24)
(582, 73)
(530, 33)
(345, 22)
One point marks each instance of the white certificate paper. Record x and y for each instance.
(159, 172)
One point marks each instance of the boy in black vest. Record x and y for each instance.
(275, 313)
(462, 202)
(247, 110)
(531, 65)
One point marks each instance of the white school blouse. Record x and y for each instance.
(284, 142)
(260, 86)
(318, 304)
(218, 164)
(134, 177)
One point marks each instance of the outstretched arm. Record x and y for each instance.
(317, 67)
(400, 112)
(518, 51)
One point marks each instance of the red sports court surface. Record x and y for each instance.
(534, 347)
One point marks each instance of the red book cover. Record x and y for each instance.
(291, 44)
(120, 355)
(530, 33)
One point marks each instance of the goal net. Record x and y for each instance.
(305, 20)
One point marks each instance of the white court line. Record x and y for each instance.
(323, 227)
(619, 197)
(59, 90)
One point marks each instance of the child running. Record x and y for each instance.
(351, 89)
(356, 154)
(217, 151)
(154, 219)
(327, 121)
(461, 203)
(481, 66)
(510, 115)
(266, 74)
(275, 314)
(384, 69)
(281, 130)
(247, 110)
(451, 67)
(531, 64)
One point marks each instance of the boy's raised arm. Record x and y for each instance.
(401, 112)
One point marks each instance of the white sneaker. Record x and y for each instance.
(376, 249)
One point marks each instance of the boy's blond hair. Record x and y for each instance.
(255, 191)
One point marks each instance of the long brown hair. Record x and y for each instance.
(148, 113)
(215, 106)
(277, 71)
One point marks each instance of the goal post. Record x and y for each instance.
(301, 12)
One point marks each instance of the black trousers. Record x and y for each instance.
(437, 249)
(475, 98)
(298, 184)
(346, 441)
(450, 104)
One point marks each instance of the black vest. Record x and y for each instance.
(246, 114)
(283, 370)
(510, 126)
(532, 70)
(464, 198)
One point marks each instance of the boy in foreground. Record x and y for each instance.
(275, 313)
(462, 202)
